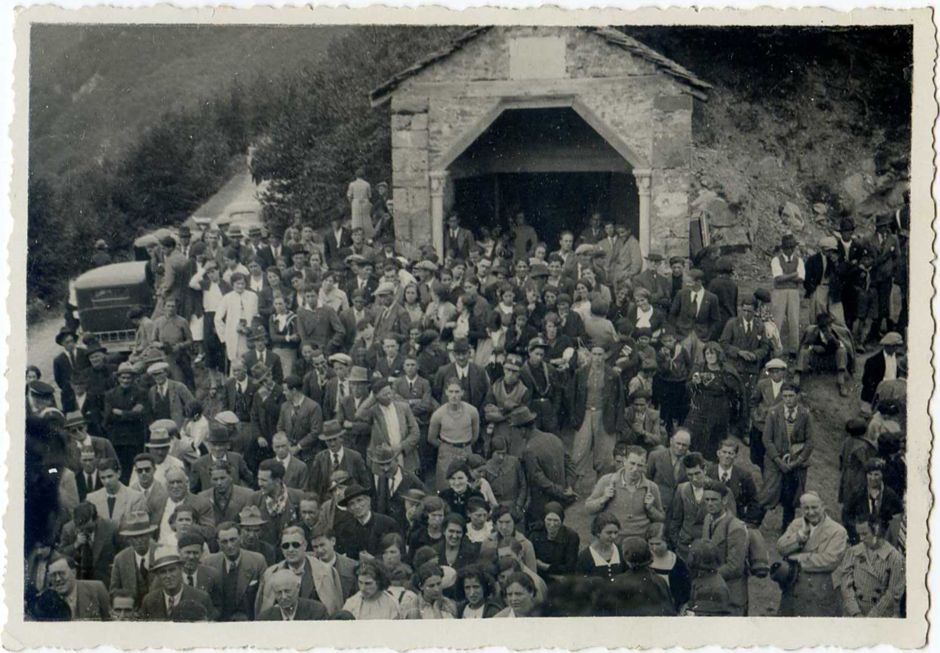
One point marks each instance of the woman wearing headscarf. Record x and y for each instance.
(556, 547)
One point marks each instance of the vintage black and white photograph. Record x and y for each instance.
(442, 322)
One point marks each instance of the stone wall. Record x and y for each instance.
(433, 112)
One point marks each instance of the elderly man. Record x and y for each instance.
(177, 488)
(817, 543)
(629, 495)
(664, 466)
(131, 568)
(318, 581)
(360, 537)
(167, 399)
(728, 535)
(240, 571)
(87, 599)
(285, 586)
(162, 604)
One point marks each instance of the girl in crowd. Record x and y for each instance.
(669, 566)
(430, 528)
(602, 557)
(460, 490)
(504, 533)
(372, 601)
(476, 593)
(429, 602)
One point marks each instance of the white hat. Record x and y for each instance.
(158, 367)
(775, 364)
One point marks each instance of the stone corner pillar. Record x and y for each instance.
(643, 178)
(438, 179)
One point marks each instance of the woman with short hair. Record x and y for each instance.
(372, 601)
(520, 597)
(498, 544)
(476, 594)
(602, 557)
(429, 602)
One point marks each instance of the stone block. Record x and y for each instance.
(419, 121)
(401, 121)
(409, 104)
(669, 103)
(410, 138)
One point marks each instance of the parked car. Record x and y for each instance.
(104, 296)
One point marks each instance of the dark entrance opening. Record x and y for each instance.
(549, 164)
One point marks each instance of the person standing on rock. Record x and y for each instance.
(359, 195)
(788, 274)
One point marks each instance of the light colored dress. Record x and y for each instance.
(359, 195)
(383, 606)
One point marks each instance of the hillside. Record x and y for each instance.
(94, 89)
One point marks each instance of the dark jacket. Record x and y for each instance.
(613, 400)
(307, 610)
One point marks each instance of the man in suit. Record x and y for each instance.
(389, 483)
(336, 239)
(664, 466)
(261, 250)
(114, 499)
(739, 481)
(358, 429)
(658, 285)
(688, 509)
(91, 541)
(218, 443)
(318, 581)
(696, 316)
(416, 390)
(882, 366)
(285, 586)
(240, 571)
(323, 544)
(296, 472)
(319, 324)
(239, 390)
(162, 604)
(191, 546)
(472, 377)
(788, 442)
(391, 319)
(64, 365)
(886, 250)
(336, 456)
(337, 386)
(872, 501)
(391, 422)
(826, 275)
(153, 490)
(818, 543)
(301, 418)
(746, 347)
(549, 470)
(278, 504)
(226, 498)
(87, 599)
(766, 395)
(363, 533)
(86, 478)
(131, 568)
(390, 363)
(167, 399)
(315, 380)
(261, 353)
(458, 241)
(125, 416)
(177, 487)
(363, 280)
(728, 535)
(80, 439)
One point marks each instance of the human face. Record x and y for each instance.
(281, 446)
(506, 525)
(552, 523)
(359, 507)
(431, 589)
(519, 599)
(124, 379)
(812, 509)
(777, 374)
(169, 307)
(159, 377)
(250, 535)
(411, 368)
(391, 557)
(566, 242)
(267, 484)
(384, 396)
(218, 449)
(334, 444)
(436, 519)
(597, 357)
(458, 482)
(536, 356)
(608, 534)
(711, 356)
(726, 456)
(789, 398)
(309, 512)
(388, 468)
(657, 546)
(454, 394)
(867, 536)
(293, 547)
(286, 592)
(110, 480)
(390, 347)
(171, 577)
(122, 608)
(140, 543)
(221, 480)
(712, 501)
(368, 586)
(183, 521)
(747, 311)
(875, 478)
(176, 484)
(453, 534)
(239, 286)
(274, 279)
(473, 590)
(696, 476)
(634, 465)
(477, 517)
(191, 555)
(643, 302)
(61, 577)
(88, 466)
(160, 453)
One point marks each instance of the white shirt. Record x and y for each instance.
(891, 367)
(776, 269)
(775, 387)
(697, 296)
(285, 461)
(167, 536)
(392, 425)
(724, 475)
(462, 372)
(643, 318)
(698, 493)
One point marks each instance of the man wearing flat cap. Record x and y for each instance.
(167, 398)
(504, 396)
(766, 395)
(825, 278)
(218, 444)
(655, 282)
(883, 366)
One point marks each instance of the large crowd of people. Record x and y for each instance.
(311, 425)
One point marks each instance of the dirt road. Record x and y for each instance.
(40, 343)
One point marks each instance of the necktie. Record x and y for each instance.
(144, 585)
(711, 529)
(87, 562)
(747, 328)
(89, 483)
(411, 387)
(190, 580)
(342, 389)
(335, 460)
(111, 501)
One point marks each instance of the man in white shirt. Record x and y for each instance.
(788, 275)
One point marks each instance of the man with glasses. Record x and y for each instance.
(87, 599)
(318, 581)
(80, 439)
(240, 570)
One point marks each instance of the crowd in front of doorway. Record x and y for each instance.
(312, 426)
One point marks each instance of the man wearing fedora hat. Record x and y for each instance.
(337, 456)
(124, 416)
(218, 443)
(389, 484)
(79, 439)
(158, 445)
(361, 536)
(64, 365)
(131, 568)
(549, 471)
(788, 274)
(391, 422)
(261, 353)
(161, 604)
